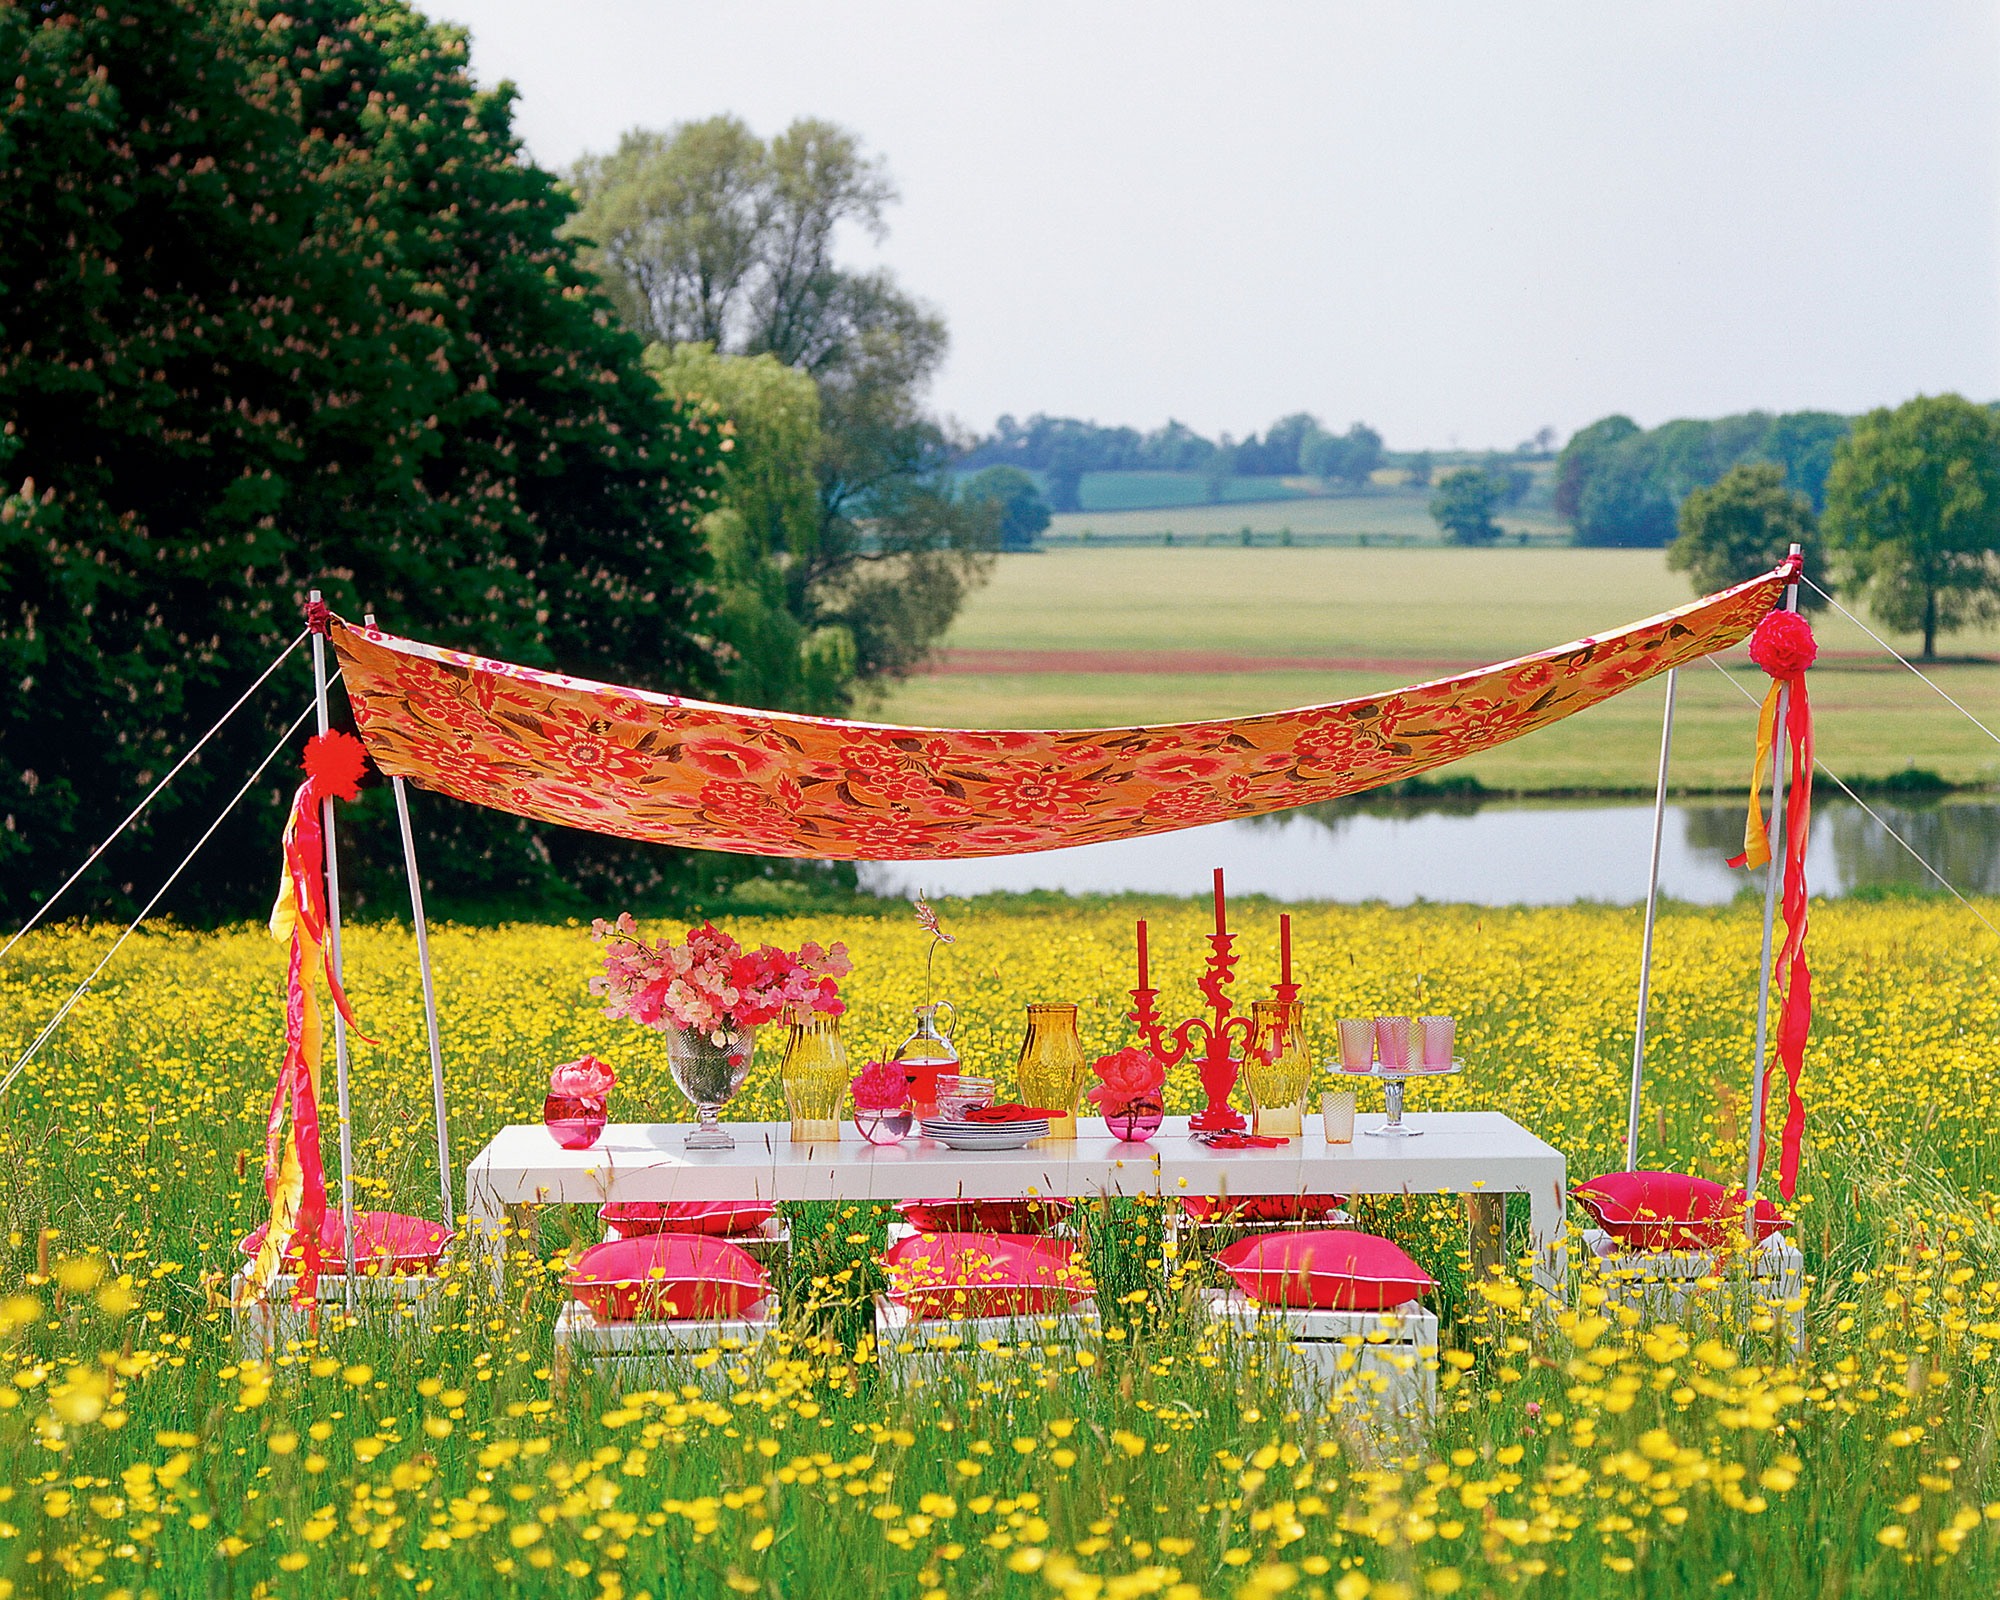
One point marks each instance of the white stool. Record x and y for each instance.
(1379, 1361)
(268, 1326)
(671, 1348)
(977, 1349)
(1664, 1285)
(900, 1230)
(1188, 1237)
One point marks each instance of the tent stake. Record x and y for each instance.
(333, 949)
(1774, 871)
(450, 1211)
(1646, 943)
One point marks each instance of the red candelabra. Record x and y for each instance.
(1218, 1032)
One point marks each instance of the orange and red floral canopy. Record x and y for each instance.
(651, 766)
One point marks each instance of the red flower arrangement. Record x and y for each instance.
(1131, 1077)
(709, 982)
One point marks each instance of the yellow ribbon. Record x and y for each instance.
(1756, 842)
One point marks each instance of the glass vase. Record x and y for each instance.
(1278, 1067)
(883, 1124)
(925, 1054)
(574, 1120)
(813, 1071)
(709, 1073)
(1135, 1121)
(1050, 1071)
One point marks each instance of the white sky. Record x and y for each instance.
(1456, 221)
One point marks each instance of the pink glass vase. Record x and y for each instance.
(574, 1120)
(1135, 1121)
(883, 1124)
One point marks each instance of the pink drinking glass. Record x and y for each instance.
(575, 1120)
(1357, 1044)
(1439, 1035)
(1392, 1041)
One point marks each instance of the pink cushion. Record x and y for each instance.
(723, 1218)
(667, 1276)
(984, 1275)
(1262, 1207)
(384, 1242)
(1672, 1211)
(1023, 1215)
(1339, 1269)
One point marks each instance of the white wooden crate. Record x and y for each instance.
(666, 1348)
(270, 1325)
(1382, 1361)
(1667, 1285)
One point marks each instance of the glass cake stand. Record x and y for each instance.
(1392, 1080)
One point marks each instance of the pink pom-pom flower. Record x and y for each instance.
(1128, 1077)
(584, 1078)
(1783, 644)
(880, 1086)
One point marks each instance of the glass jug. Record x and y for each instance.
(925, 1054)
(814, 1075)
(1050, 1072)
(1278, 1067)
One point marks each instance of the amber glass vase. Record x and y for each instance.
(814, 1075)
(1050, 1071)
(1278, 1067)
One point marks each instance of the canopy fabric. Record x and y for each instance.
(658, 767)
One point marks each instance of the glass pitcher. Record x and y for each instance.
(1278, 1067)
(1050, 1072)
(814, 1075)
(925, 1054)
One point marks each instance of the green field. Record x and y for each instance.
(1427, 608)
(1380, 514)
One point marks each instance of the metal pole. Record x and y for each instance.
(430, 994)
(333, 949)
(1646, 942)
(1774, 871)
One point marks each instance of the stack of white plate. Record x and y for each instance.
(962, 1135)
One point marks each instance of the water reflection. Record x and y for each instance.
(1460, 849)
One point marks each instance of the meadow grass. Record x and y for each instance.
(1580, 1452)
(1395, 514)
(1429, 608)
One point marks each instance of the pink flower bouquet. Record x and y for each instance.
(880, 1086)
(708, 983)
(1133, 1076)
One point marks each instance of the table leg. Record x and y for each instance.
(1545, 1227)
(484, 1222)
(1486, 1234)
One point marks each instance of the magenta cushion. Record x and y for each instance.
(725, 1219)
(984, 1275)
(1025, 1215)
(384, 1242)
(1334, 1269)
(1672, 1211)
(1262, 1207)
(667, 1276)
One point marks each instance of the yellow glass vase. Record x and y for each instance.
(1278, 1067)
(1050, 1071)
(814, 1075)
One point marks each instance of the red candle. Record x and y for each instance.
(1285, 948)
(1142, 952)
(1220, 925)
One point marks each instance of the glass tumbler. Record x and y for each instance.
(1392, 1042)
(1357, 1044)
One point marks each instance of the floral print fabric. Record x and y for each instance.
(675, 771)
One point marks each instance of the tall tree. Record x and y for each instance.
(1913, 512)
(1463, 505)
(286, 309)
(707, 233)
(1024, 514)
(1744, 525)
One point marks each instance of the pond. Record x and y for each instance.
(1501, 853)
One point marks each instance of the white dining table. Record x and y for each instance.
(1468, 1153)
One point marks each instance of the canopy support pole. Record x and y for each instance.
(1773, 874)
(1646, 942)
(333, 949)
(447, 1208)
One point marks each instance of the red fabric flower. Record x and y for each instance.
(1783, 644)
(334, 764)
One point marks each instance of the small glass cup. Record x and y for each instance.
(1135, 1121)
(1357, 1044)
(1392, 1042)
(1439, 1035)
(883, 1124)
(1336, 1112)
(574, 1120)
(958, 1093)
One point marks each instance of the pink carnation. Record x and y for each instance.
(1130, 1076)
(586, 1078)
(880, 1086)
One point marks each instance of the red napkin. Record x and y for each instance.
(1242, 1141)
(1010, 1112)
